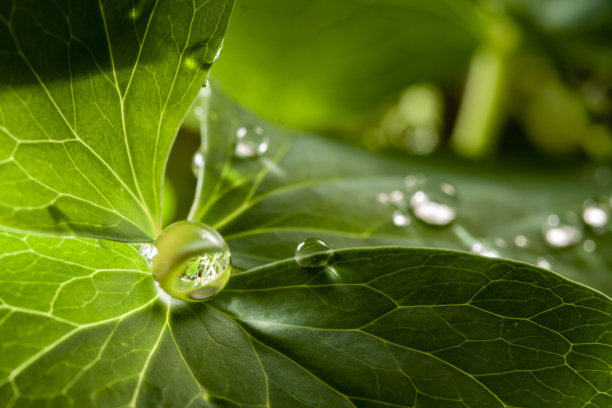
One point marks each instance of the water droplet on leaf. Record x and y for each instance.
(197, 163)
(521, 241)
(562, 231)
(148, 251)
(401, 219)
(312, 253)
(589, 245)
(251, 142)
(543, 263)
(192, 262)
(595, 214)
(486, 247)
(434, 203)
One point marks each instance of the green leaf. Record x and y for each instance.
(377, 327)
(322, 64)
(307, 186)
(91, 97)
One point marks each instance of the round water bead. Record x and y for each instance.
(192, 262)
(433, 202)
(251, 142)
(596, 214)
(312, 253)
(562, 231)
(401, 219)
(197, 163)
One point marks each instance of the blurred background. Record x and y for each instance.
(481, 78)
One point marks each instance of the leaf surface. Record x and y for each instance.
(307, 186)
(377, 327)
(91, 97)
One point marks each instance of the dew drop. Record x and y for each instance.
(595, 214)
(562, 232)
(192, 262)
(589, 245)
(521, 241)
(485, 248)
(401, 219)
(197, 163)
(434, 203)
(216, 57)
(543, 263)
(312, 253)
(251, 142)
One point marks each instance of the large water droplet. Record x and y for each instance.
(251, 142)
(562, 231)
(197, 163)
(192, 262)
(596, 214)
(312, 253)
(434, 203)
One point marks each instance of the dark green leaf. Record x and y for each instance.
(91, 96)
(376, 328)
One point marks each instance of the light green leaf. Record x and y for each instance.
(377, 327)
(91, 97)
(322, 64)
(307, 186)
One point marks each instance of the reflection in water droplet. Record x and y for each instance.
(197, 163)
(589, 245)
(192, 262)
(520, 241)
(401, 219)
(481, 248)
(434, 203)
(543, 263)
(562, 232)
(251, 141)
(595, 214)
(312, 253)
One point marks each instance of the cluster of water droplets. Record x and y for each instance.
(190, 261)
(435, 203)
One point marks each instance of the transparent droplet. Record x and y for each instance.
(401, 219)
(521, 241)
(197, 163)
(192, 262)
(562, 231)
(543, 263)
(589, 245)
(313, 253)
(433, 202)
(596, 214)
(486, 247)
(251, 142)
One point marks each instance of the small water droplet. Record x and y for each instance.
(485, 248)
(589, 245)
(401, 219)
(205, 84)
(595, 214)
(197, 163)
(543, 263)
(434, 203)
(521, 241)
(193, 261)
(562, 232)
(251, 142)
(312, 253)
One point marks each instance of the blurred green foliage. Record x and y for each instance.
(542, 69)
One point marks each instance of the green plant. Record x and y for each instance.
(87, 122)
